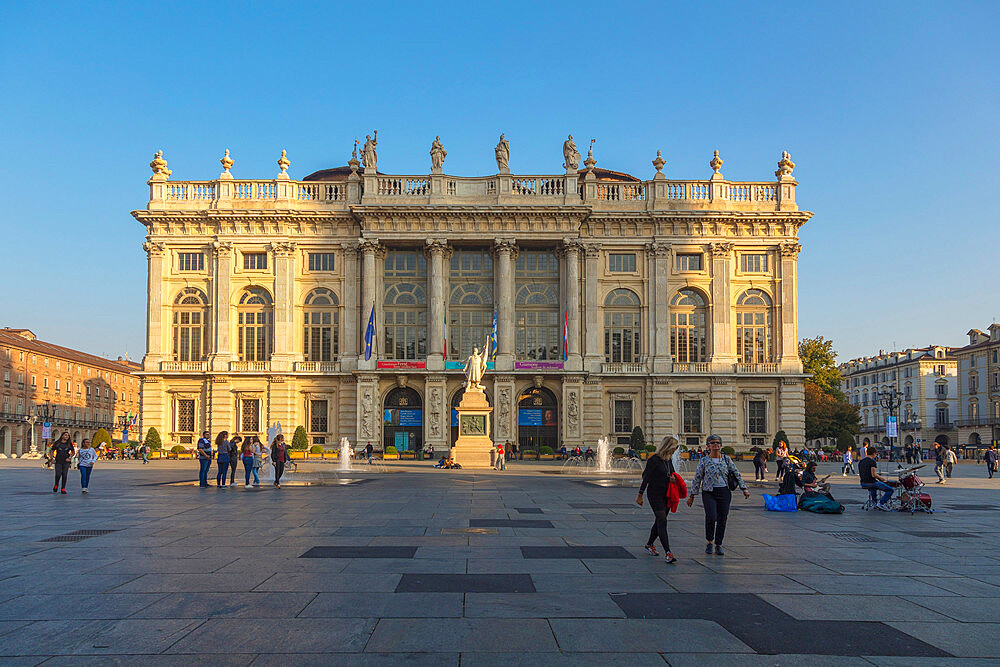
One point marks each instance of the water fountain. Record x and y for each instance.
(604, 454)
(346, 454)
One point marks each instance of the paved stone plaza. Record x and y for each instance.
(456, 567)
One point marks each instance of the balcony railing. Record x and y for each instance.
(249, 366)
(944, 425)
(756, 368)
(183, 366)
(317, 366)
(692, 367)
(624, 368)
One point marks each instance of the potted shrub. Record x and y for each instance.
(316, 449)
(546, 453)
(637, 441)
(729, 451)
(175, 451)
(648, 451)
(391, 453)
(408, 455)
(529, 454)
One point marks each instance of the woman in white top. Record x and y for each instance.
(781, 458)
(88, 456)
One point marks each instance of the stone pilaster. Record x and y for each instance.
(437, 414)
(222, 259)
(369, 411)
(220, 406)
(722, 413)
(283, 405)
(284, 306)
(371, 250)
(572, 411)
(571, 263)
(504, 408)
(349, 344)
(658, 254)
(155, 409)
(505, 251)
(593, 348)
(438, 252)
(662, 400)
(155, 335)
(788, 352)
(722, 353)
(792, 409)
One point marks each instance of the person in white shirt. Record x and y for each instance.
(88, 457)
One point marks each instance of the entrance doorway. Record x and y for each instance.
(5, 440)
(537, 419)
(403, 420)
(455, 400)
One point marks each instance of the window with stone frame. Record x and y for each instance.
(621, 262)
(688, 332)
(622, 328)
(753, 263)
(756, 416)
(754, 332)
(973, 410)
(623, 416)
(321, 261)
(537, 333)
(941, 415)
(255, 261)
(250, 415)
(470, 304)
(973, 383)
(318, 417)
(190, 261)
(255, 333)
(691, 416)
(185, 415)
(405, 305)
(688, 261)
(321, 328)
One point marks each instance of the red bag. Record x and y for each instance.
(676, 490)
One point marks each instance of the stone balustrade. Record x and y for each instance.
(714, 194)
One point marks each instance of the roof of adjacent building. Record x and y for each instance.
(25, 339)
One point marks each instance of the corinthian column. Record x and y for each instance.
(722, 312)
(571, 257)
(593, 350)
(788, 355)
(437, 251)
(154, 306)
(284, 306)
(222, 353)
(658, 254)
(506, 252)
(370, 250)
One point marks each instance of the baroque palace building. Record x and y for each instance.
(79, 392)
(619, 302)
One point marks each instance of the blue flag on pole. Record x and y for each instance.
(370, 334)
(493, 338)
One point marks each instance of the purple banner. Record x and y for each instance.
(538, 365)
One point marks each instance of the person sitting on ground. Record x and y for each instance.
(813, 485)
(589, 455)
(871, 480)
(442, 463)
(790, 479)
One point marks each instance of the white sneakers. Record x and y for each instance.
(246, 486)
(86, 491)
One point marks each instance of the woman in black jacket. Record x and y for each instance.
(655, 479)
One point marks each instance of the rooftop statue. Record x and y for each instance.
(369, 158)
(571, 154)
(502, 151)
(159, 165)
(438, 154)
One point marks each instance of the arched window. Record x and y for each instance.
(405, 321)
(470, 319)
(621, 326)
(754, 335)
(190, 325)
(537, 331)
(321, 333)
(688, 335)
(256, 325)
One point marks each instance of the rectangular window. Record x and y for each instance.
(688, 262)
(255, 261)
(973, 384)
(941, 390)
(190, 261)
(317, 417)
(757, 417)
(623, 416)
(45, 384)
(34, 382)
(250, 415)
(692, 416)
(185, 415)
(941, 414)
(753, 263)
(321, 261)
(621, 262)
(57, 385)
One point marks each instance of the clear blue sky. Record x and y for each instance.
(890, 111)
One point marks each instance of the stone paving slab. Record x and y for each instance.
(966, 640)
(643, 636)
(68, 637)
(384, 605)
(88, 606)
(307, 635)
(225, 605)
(524, 635)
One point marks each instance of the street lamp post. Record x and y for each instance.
(43, 413)
(890, 400)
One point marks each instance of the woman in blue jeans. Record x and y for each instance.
(88, 456)
(248, 463)
(222, 456)
(711, 479)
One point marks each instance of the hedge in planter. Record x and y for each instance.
(102, 437)
(153, 439)
(728, 451)
(300, 440)
(529, 454)
(391, 450)
(177, 449)
(650, 448)
(618, 450)
(546, 450)
(316, 449)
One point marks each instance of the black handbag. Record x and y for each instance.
(732, 481)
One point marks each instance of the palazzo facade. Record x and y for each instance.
(618, 302)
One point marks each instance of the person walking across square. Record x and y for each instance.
(990, 457)
(939, 462)
(62, 452)
(279, 455)
(88, 457)
(712, 479)
(848, 461)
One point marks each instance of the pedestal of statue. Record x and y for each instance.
(472, 449)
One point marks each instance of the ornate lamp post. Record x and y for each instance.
(44, 414)
(890, 400)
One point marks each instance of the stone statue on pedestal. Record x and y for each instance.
(571, 154)
(475, 368)
(369, 158)
(438, 154)
(502, 151)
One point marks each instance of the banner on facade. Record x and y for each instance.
(46, 430)
(536, 417)
(460, 366)
(538, 365)
(401, 364)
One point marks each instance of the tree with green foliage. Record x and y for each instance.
(300, 441)
(845, 440)
(102, 437)
(637, 441)
(819, 360)
(153, 439)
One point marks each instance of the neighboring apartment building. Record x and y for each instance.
(978, 415)
(619, 302)
(81, 391)
(927, 381)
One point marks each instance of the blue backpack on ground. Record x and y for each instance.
(783, 503)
